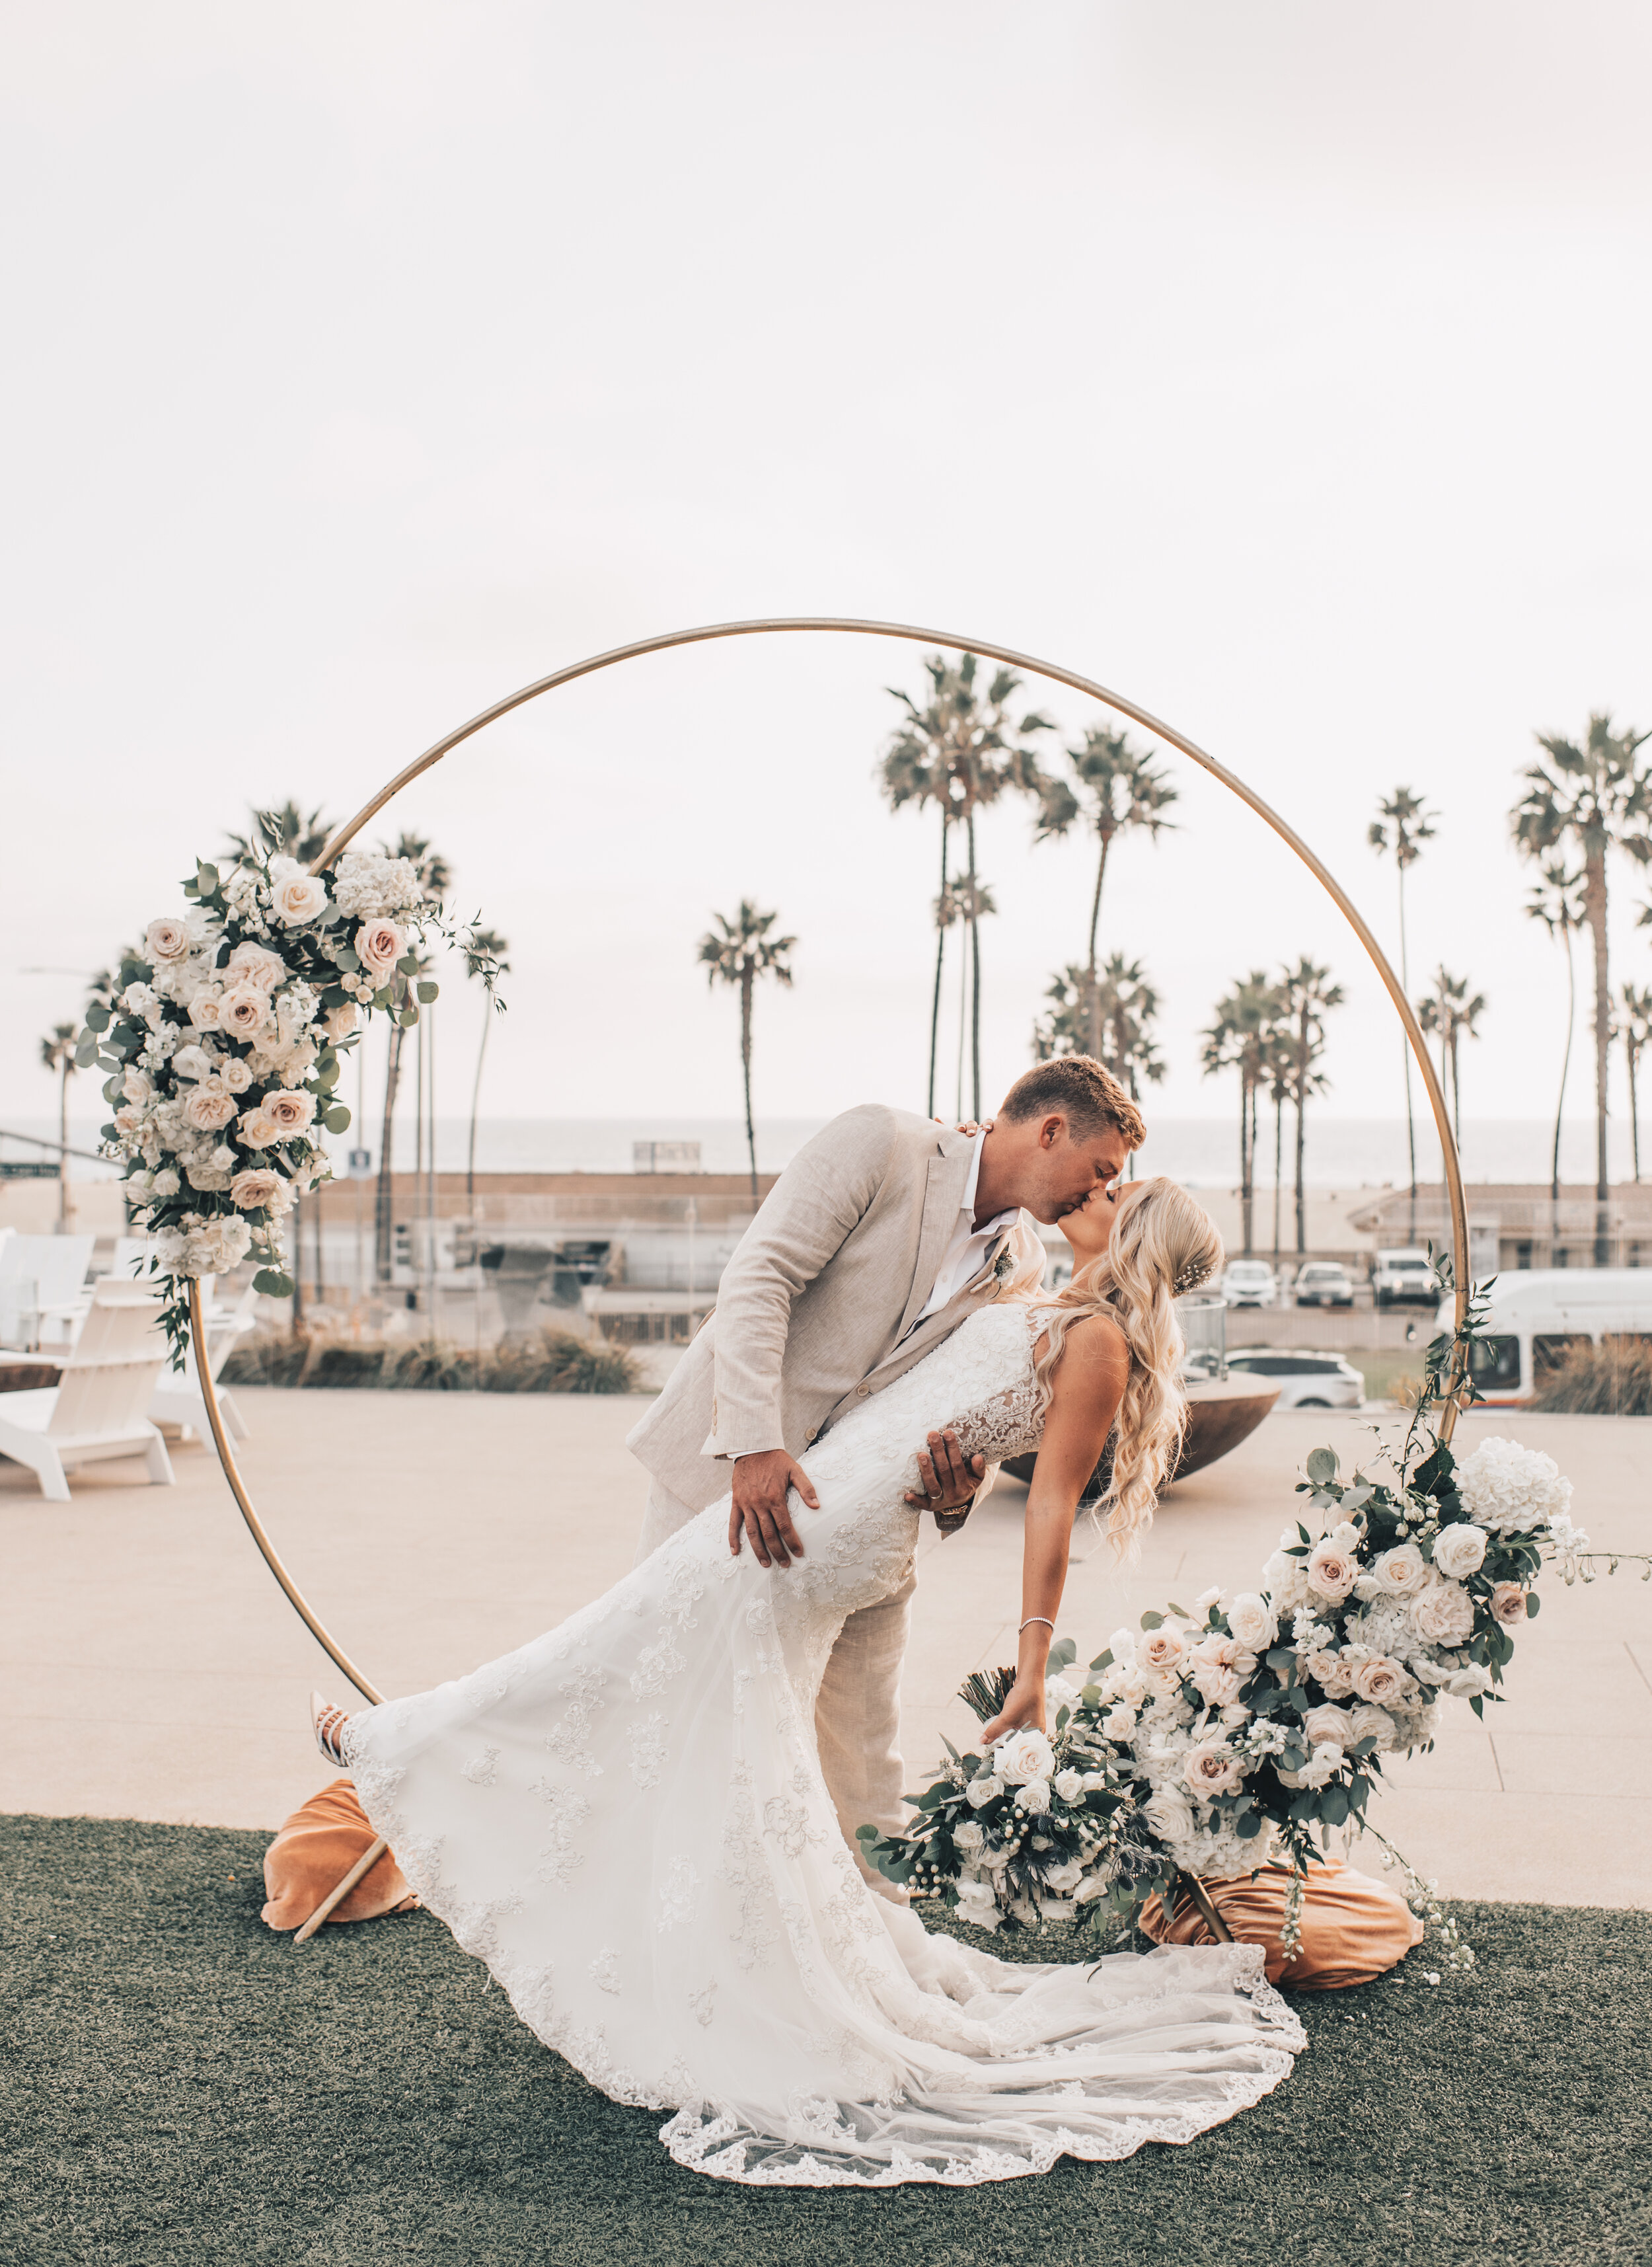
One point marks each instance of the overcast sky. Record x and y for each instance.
(1284, 366)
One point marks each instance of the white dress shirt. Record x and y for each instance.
(967, 1252)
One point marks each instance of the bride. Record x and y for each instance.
(626, 1819)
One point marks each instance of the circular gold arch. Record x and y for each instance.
(846, 626)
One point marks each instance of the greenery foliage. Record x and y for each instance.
(559, 1363)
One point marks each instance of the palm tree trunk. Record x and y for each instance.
(975, 981)
(1248, 1163)
(383, 1225)
(63, 1207)
(745, 1066)
(1304, 1059)
(1559, 1109)
(941, 959)
(1456, 1095)
(1094, 1012)
(1279, 1159)
(1244, 1104)
(1594, 913)
(1411, 1123)
(1634, 1054)
(476, 1097)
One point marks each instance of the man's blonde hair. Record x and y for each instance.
(1085, 1092)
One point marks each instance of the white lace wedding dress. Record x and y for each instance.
(626, 1820)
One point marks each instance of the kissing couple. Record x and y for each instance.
(643, 1822)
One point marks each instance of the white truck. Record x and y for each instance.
(1404, 1277)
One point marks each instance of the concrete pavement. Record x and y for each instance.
(153, 1669)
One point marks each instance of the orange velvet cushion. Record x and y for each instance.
(1353, 1928)
(315, 1850)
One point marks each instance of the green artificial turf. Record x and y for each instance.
(181, 2085)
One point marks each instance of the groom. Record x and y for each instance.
(882, 1235)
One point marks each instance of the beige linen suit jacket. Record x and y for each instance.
(813, 1305)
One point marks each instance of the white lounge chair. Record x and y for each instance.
(42, 1288)
(96, 1411)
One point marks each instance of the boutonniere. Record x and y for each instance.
(1003, 1266)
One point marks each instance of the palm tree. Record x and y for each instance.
(485, 951)
(1636, 1029)
(287, 833)
(1114, 790)
(1557, 901)
(1596, 798)
(1129, 1009)
(1402, 825)
(435, 876)
(1447, 1013)
(1243, 1038)
(1307, 994)
(57, 1054)
(969, 903)
(744, 951)
(961, 751)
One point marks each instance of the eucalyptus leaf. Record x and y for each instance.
(1321, 1466)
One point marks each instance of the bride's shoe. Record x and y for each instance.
(327, 1723)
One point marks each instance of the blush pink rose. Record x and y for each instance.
(1380, 1680)
(288, 1110)
(258, 1189)
(379, 945)
(244, 1012)
(255, 965)
(167, 939)
(1162, 1650)
(1332, 1570)
(1333, 1673)
(1444, 1614)
(1323, 1724)
(1212, 1771)
(257, 1129)
(298, 897)
(1509, 1604)
(208, 1110)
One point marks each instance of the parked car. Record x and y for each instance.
(1535, 1315)
(1402, 1277)
(1307, 1378)
(1249, 1283)
(1324, 1283)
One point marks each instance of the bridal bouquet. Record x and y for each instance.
(224, 1035)
(1222, 1737)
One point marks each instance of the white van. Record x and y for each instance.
(1536, 1313)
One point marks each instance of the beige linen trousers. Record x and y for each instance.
(812, 1314)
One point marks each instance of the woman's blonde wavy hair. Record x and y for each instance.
(1163, 1245)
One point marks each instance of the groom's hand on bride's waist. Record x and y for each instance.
(760, 1510)
(946, 1478)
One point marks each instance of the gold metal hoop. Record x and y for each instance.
(833, 625)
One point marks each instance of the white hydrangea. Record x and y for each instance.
(365, 886)
(1506, 1488)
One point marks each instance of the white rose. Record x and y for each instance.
(1034, 1797)
(192, 1062)
(978, 1904)
(982, 1788)
(1345, 1535)
(1064, 1878)
(1125, 1682)
(1381, 1680)
(1068, 1785)
(1402, 1571)
(1168, 1815)
(1162, 1650)
(1465, 1683)
(137, 999)
(208, 1110)
(1333, 1672)
(245, 1013)
(233, 1076)
(1023, 1756)
(167, 940)
(257, 1130)
(1325, 1725)
(297, 898)
(1059, 1693)
(1252, 1621)
(165, 1183)
(138, 1088)
(1331, 1570)
(207, 1176)
(206, 1007)
(1444, 1614)
(968, 1835)
(255, 965)
(342, 1021)
(1209, 1770)
(1370, 1722)
(1320, 1769)
(1119, 1724)
(1460, 1550)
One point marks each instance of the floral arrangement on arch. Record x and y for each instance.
(1216, 1740)
(225, 1040)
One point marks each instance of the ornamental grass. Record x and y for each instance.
(1613, 1380)
(558, 1362)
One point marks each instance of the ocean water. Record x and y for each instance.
(1342, 1152)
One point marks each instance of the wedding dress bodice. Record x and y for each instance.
(626, 1819)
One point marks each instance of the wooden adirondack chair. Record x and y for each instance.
(98, 1410)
